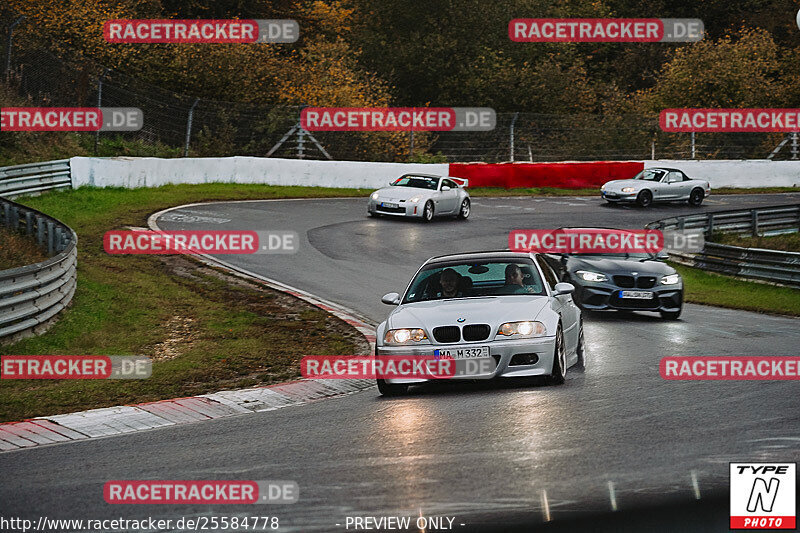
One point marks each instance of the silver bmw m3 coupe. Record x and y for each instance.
(506, 307)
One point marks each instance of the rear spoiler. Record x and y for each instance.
(462, 182)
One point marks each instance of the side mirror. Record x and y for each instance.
(445, 188)
(662, 255)
(564, 288)
(391, 183)
(391, 298)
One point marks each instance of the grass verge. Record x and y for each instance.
(723, 291)
(788, 242)
(205, 330)
(17, 250)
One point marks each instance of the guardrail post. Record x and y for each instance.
(28, 223)
(14, 218)
(710, 229)
(50, 238)
(7, 214)
(40, 231)
(754, 214)
(681, 224)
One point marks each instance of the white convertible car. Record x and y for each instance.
(505, 306)
(421, 196)
(657, 185)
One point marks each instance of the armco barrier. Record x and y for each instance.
(34, 178)
(30, 296)
(766, 265)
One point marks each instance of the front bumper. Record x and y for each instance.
(403, 209)
(606, 296)
(501, 350)
(613, 196)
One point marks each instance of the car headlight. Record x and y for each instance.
(670, 279)
(526, 328)
(404, 336)
(585, 275)
(603, 188)
(415, 199)
(628, 189)
(375, 196)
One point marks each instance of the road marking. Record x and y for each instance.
(545, 506)
(612, 495)
(695, 485)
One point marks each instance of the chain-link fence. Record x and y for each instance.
(177, 125)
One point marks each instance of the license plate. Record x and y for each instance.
(636, 295)
(388, 204)
(473, 352)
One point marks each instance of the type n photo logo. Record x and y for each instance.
(763, 495)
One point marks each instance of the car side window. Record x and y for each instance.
(674, 177)
(549, 275)
(448, 183)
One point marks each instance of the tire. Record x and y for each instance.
(696, 197)
(427, 212)
(391, 389)
(644, 199)
(465, 209)
(581, 364)
(559, 372)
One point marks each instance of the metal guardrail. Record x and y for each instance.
(755, 263)
(32, 295)
(34, 178)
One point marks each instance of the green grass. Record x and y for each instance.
(209, 333)
(788, 242)
(722, 291)
(18, 250)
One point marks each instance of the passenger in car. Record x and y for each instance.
(450, 281)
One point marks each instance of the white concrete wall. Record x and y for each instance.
(151, 172)
(738, 173)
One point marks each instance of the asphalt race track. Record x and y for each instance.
(490, 454)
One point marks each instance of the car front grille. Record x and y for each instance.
(631, 303)
(445, 334)
(399, 209)
(646, 282)
(476, 332)
(629, 282)
(626, 282)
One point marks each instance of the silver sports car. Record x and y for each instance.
(421, 196)
(505, 307)
(657, 185)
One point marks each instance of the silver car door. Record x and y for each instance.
(448, 200)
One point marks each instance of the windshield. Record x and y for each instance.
(417, 182)
(617, 256)
(652, 174)
(471, 279)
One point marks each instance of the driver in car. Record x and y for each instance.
(450, 281)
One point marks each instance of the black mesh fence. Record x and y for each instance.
(217, 128)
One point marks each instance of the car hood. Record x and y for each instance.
(492, 310)
(618, 266)
(401, 193)
(619, 184)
